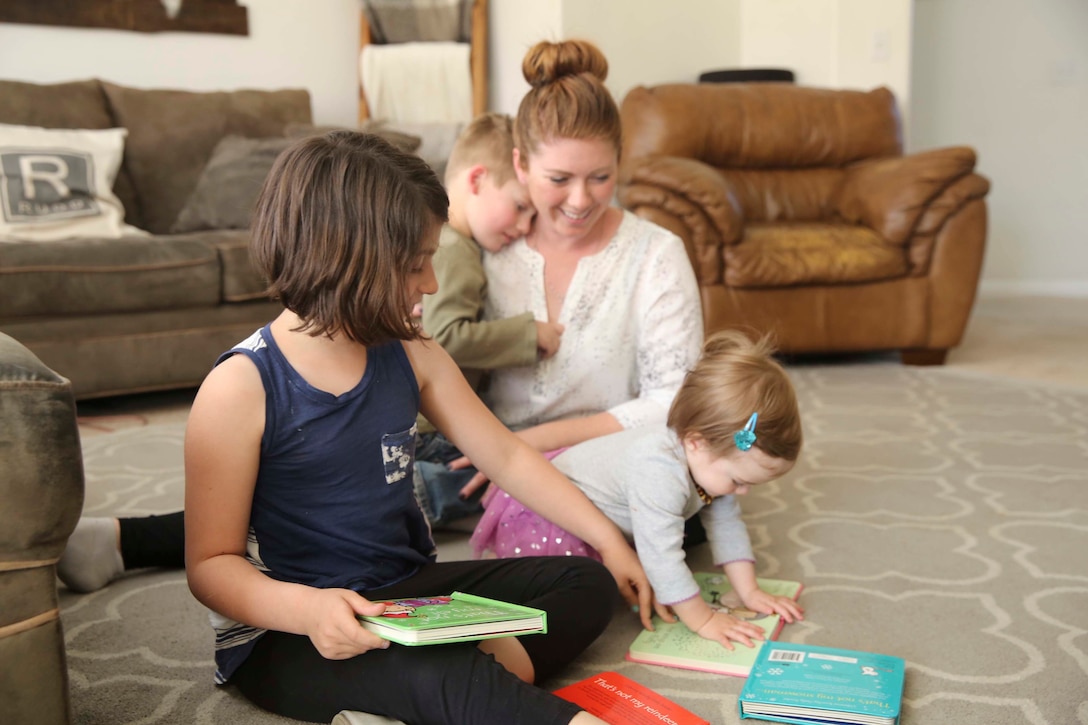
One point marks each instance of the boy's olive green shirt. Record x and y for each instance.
(453, 315)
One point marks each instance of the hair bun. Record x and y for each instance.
(547, 62)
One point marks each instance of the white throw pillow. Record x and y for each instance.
(58, 183)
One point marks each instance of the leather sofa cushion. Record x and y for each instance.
(760, 125)
(782, 195)
(96, 276)
(783, 255)
(77, 104)
(171, 135)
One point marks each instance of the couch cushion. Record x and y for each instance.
(77, 104)
(172, 134)
(782, 255)
(97, 276)
(760, 125)
(241, 281)
(228, 186)
(57, 183)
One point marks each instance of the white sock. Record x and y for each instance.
(92, 559)
(353, 717)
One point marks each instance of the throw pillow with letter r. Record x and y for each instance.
(58, 183)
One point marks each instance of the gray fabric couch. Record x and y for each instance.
(140, 313)
(41, 487)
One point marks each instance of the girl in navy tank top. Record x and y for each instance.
(300, 510)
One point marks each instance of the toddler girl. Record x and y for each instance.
(734, 424)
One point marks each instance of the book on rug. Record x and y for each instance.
(458, 617)
(619, 700)
(798, 683)
(674, 645)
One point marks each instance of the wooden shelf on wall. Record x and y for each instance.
(145, 16)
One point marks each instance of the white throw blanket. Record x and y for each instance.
(417, 82)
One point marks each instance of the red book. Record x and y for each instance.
(622, 701)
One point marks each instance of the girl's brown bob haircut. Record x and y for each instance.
(567, 98)
(340, 222)
(735, 377)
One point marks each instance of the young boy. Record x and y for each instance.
(489, 208)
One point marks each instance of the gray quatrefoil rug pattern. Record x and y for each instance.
(934, 515)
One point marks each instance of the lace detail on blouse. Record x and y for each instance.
(633, 328)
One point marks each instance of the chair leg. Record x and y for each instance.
(922, 356)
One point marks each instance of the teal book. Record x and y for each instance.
(799, 683)
(458, 617)
(674, 645)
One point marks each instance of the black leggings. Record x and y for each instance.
(154, 541)
(455, 683)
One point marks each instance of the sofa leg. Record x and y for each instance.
(921, 356)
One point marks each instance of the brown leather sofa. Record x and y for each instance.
(802, 216)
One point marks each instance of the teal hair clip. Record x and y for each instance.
(745, 437)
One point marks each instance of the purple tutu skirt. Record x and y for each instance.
(509, 530)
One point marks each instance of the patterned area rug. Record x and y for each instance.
(936, 516)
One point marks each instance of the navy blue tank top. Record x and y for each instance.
(334, 504)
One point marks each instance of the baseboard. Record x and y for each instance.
(1030, 288)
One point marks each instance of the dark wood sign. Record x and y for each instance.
(145, 16)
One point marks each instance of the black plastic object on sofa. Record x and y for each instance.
(747, 75)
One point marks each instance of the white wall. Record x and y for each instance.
(873, 47)
(797, 35)
(294, 44)
(646, 42)
(1011, 79)
(857, 44)
(514, 27)
(649, 42)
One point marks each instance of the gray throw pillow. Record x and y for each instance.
(228, 187)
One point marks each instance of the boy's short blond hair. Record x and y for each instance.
(487, 140)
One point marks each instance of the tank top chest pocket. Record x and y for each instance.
(398, 454)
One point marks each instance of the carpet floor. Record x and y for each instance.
(934, 515)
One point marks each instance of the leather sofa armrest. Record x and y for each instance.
(891, 195)
(700, 204)
(937, 213)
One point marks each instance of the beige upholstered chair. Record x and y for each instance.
(41, 497)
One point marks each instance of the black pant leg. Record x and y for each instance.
(154, 541)
(449, 684)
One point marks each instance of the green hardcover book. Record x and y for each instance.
(458, 617)
(674, 645)
(799, 683)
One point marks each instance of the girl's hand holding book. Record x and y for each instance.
(332, 627)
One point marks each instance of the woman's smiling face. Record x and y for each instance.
(571, 183)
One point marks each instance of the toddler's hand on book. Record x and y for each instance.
(333, 628)
(760, 601)
(726, 629)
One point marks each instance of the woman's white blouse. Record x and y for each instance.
(633, 328)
